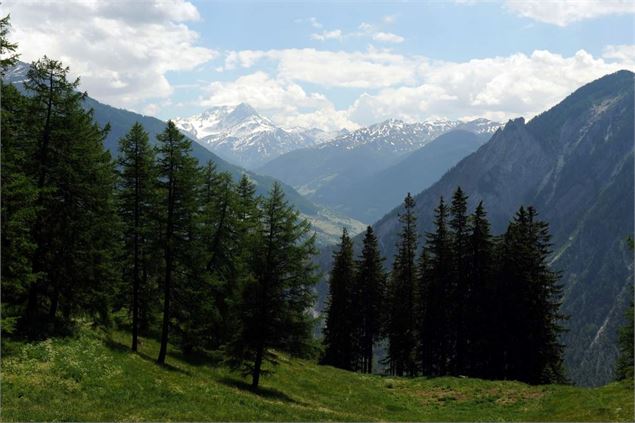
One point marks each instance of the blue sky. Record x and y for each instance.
(332, 64)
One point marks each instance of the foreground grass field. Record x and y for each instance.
(95, 378)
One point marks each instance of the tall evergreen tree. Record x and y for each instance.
(401, 330)
(19, 193)
(137, 204)
(435, 272)
(178, 182)
(8, 56)
(529, 299)
(459, 286)
(76, 246)
(370, 284)
(480, 315)
(340, 332)
(277, 297)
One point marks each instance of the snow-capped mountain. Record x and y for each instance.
(328, 173)
(397, 137)
(242, 136)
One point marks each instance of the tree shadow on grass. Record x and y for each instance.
(198, 358)
(118, 346)
(268, 393)
(166, 366)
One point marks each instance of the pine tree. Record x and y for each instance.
(370, 281)
(277, 296)
(529, 299)
(480, 315)
(435, 272)
(179, 183)
(137, 204)
(8, 56)
(76, 246)
(19, 212)
(339, 332)
(459, 286)
(401, 329)
(19, 193)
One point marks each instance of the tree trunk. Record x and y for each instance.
(168, 273)
(166, 309)
(54, 303)
(255, 377)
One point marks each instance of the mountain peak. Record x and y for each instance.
(244, 109)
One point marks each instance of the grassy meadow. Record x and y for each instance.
(94, 377)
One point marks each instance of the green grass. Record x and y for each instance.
(95, 378)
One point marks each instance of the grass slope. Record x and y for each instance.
(95, 378)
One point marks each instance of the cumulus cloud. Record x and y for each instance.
(565, 12)
(336, 34)
(413, 88)
(286, 102)
(388, 37)
(623, 53)
(121, 50)
(369, 69)
(497, 88)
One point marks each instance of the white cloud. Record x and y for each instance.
(624, 53)
(371, 31)
(413, 88)
(388, 37)
(497, 88)
(336, 34)
(369, 69)
(286, 102)
(121, 50)
(565, 12)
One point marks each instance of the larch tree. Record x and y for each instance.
(340, 340)
(370, 285)
(76, 246)
(138, 196)
(435, 272)
(179, 179)
(401, 325)
(459, 286)
(277, 296)
(480, 315)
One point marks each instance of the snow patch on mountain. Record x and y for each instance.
(241, 135)
(400, 137)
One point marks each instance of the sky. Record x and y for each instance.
(331, 64)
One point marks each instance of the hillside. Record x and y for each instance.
(370, 198)
(95, 378)
(574, 163)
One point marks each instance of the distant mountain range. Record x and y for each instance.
(340, 174)
(370, 198)
(242, 136)
(574, 163)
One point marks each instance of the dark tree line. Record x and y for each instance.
(182, 252)
(467, 303)
(354, 318)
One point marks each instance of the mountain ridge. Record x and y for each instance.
(574, 163)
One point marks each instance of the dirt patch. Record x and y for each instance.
(512, 397)
(438, 395)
